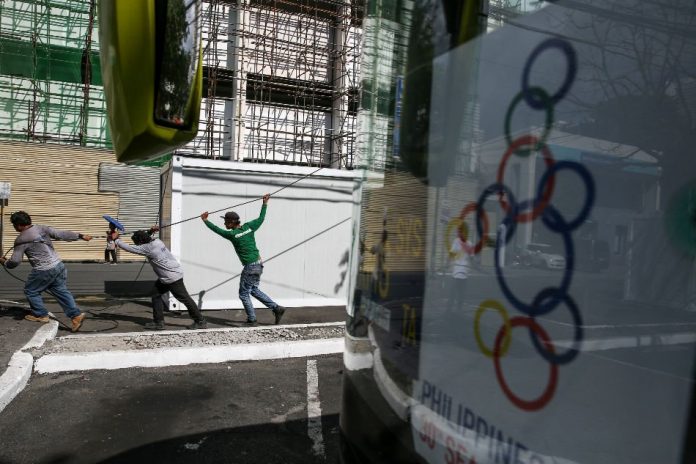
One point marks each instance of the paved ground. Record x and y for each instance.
(87, 279)
(15, 332)
(241, 412)
(253, 411)
(113, 298)
(127, 316)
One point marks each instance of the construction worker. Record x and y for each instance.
(48, 272)
(244, 242)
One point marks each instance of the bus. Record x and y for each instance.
(486, 126)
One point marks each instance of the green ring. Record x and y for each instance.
(544, 97)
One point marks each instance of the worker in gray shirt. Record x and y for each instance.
(48, 272)
(170, 277)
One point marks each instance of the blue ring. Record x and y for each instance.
(512, 212)
(572, 353)
(571, 58)
(527, 309)
(560, 225)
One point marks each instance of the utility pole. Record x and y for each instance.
(5, 188)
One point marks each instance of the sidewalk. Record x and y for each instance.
(112, 297)
(120, 316)
(125, 318)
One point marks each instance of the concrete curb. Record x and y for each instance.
(45, 333)
(16, 377)
(162, 357)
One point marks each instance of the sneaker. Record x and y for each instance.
(251, 323)
(77, 322)
(154, 326)
(278, 312)
(31, 317)
(198, 325)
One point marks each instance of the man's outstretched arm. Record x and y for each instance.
(256, 223)
(218, 230)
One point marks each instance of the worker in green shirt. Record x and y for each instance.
(242, 238)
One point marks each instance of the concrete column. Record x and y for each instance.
(337, 74)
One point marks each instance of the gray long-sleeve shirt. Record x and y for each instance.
(161, 259)
(36, 243)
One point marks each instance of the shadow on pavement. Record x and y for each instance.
(285, 443)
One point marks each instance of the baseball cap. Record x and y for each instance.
(230, 216)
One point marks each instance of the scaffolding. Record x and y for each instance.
(281, 78)
(50, 81)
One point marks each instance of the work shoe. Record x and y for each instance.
(77, 322)
(31, 317)
(251, 323)
(278, 312)
(154, 326)
(198, 325)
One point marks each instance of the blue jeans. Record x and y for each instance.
(249, 285)
(54, 281)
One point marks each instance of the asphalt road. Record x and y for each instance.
(239, 412)
(87, 279)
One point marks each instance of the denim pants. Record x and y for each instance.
(54, 281)
(249, 285)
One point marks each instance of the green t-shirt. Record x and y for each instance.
(242, 238)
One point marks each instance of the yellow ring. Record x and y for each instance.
(492, 304)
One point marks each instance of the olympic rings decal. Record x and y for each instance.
(551, 303)
(548, 182)
(501, 190)
(569, 53)
(548, 299)
(546, 396)
(498, 306)
(463, 229)
(547, 123)
(562, 226)
(569, 355)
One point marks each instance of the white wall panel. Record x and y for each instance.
(303, 240)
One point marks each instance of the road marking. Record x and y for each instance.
(314, 409)
(18, 371)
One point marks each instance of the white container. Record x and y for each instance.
(304, 240)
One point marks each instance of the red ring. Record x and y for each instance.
(476, 248)
(548, 191)
(546, 396)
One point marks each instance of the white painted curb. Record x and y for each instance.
(46, 332)
(16, 377)
(162, 357)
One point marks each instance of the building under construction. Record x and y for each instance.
(281, 81)
(280, 78)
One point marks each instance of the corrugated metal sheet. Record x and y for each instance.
(139, 189)
(409, 207)
(58, 185)
(403, 202)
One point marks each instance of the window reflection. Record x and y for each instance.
(178, 52)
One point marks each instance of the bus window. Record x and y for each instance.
(559, 130)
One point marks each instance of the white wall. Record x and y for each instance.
(303, 240)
